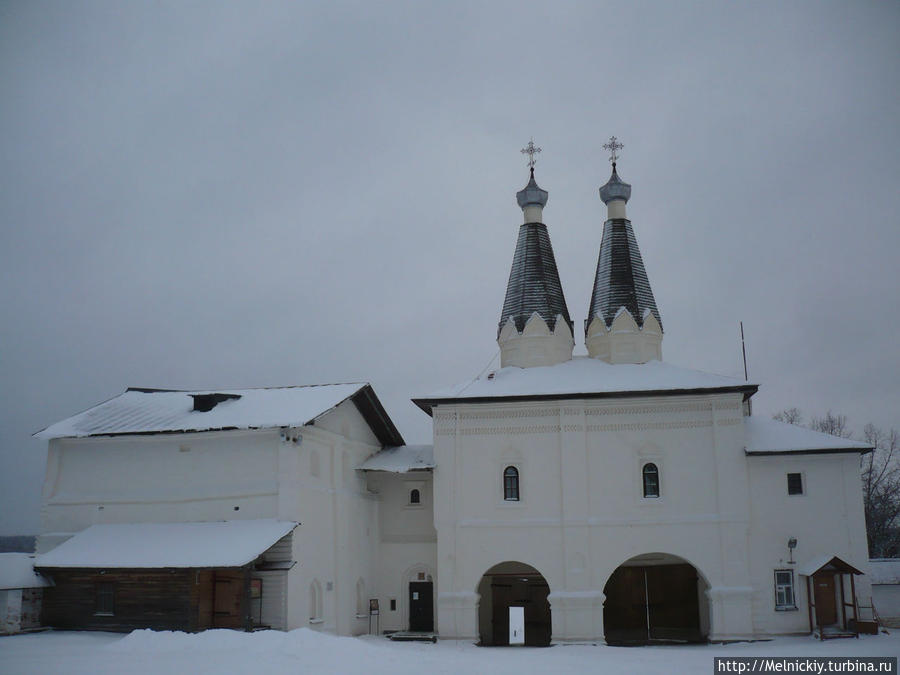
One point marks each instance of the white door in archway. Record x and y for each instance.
(517, 625)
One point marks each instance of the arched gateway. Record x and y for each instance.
(655, 597)
(513, 607)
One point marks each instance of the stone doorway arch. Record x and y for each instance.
(513, 584)
(656, 598)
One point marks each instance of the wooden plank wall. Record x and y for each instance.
(157, 599)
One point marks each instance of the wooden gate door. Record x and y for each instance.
(674, 605)
(826, 611)
(228, 593)
(421, 606)
(625, 609)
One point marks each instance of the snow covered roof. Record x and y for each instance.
(766, 436)
(884, 570)
(401, 459)
(230, 543)
(814, 565)
(17, 571)
(585, 377)
(145, 411)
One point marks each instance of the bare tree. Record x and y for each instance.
(881, 491)
(790, 416)
(836, 425)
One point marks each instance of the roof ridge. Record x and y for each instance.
(152, 390)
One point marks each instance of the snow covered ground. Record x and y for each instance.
(304, 651)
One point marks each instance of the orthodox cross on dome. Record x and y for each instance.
(613, 146)
(531, 151)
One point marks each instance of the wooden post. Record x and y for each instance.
(853, 599)
(809, 603)
(843, 602)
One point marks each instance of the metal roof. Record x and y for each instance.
(533, 281)
(401, 459)
(17, 571)
(621, 280)
(765, 436)
(588, 378)
(152, 411)
(230, 543)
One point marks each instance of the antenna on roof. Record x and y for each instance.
(746, 379)
(744, 352)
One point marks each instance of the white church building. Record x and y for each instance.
(609, 497)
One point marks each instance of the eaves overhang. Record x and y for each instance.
(427, 404)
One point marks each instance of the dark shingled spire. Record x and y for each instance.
(621, 280)
(533, 280)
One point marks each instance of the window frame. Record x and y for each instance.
(780, 588)
(415, 497)
(644, 482)
(802, 480)
(513, 486)
(104, 591)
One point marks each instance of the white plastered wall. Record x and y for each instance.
(624, 341)
(536, 345)
(827, 519)
(230, 475)
(407, 545)
(582, 512)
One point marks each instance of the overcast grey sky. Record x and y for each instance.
(209, 195)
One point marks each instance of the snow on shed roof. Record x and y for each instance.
(142, 411)
(584, 376)
(17, 571)
(766, 436)
(884, 570)
(231, 543)
(401, 459)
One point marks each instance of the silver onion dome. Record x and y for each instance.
(615, 188)
(531, 194)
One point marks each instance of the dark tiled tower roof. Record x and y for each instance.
(621, 280)
(533, 280)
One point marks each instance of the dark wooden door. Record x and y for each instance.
(228, 594)
(826, 611)
(421, 606)
(502, 598)
(674, 605)
(644, 604)
(625, 609)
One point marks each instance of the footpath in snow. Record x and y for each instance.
(219, 652)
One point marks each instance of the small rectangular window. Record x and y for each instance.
(393, 604)
(795, 484)
(104, 599)
(784, 590)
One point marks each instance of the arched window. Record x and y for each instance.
(315, 601)
(651, 480)
(511, 484)
(415, 497)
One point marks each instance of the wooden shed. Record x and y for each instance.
(170, 576)
(20, 593)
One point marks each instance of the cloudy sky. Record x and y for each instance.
(210, 195)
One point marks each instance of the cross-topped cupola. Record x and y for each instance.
(623, 324)
(535, 328)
